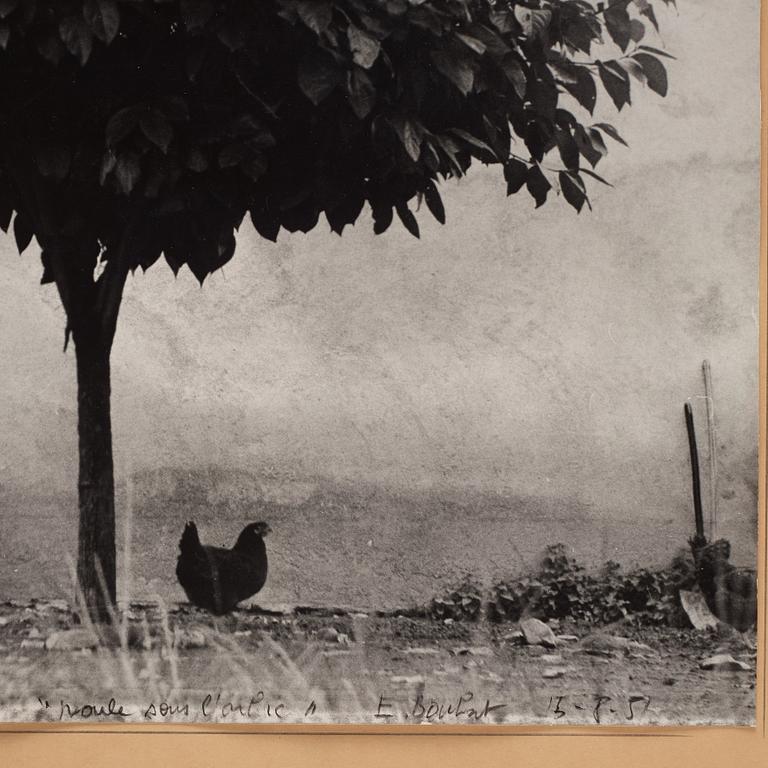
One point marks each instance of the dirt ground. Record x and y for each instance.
(182, 665)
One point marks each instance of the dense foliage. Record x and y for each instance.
(562, 588)
(565, 589)
(141, 127)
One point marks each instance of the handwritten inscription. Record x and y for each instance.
(463, 708)
(601, 708)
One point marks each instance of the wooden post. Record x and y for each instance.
(707, 370)
(696, 479)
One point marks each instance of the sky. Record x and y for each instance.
(513, 350)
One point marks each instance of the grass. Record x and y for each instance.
(180, 665)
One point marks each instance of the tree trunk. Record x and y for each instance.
(96, 557)
(92, 306)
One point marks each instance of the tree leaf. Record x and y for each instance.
(616, 86)
(267, 225)
(103, 17)
(503, 20)
(365, 49)
(634, 69)
(361, 92)
(6, 211)
(569, 151)
(108, 163)
(650, 14)
(592, 154)
(77, 37)
(316, 14)
(197, 161)
(656, 51)
(584, 89)
(345, 212)
(255, 166)
(572, 191)
(127, 172)
(53, 161)
(7, 7)
(473, 140)
(121, 124)
(611, 131)
(382, 218)
(655, 72)
(318, 77)
(514, 72)
(406, 216)
(409, 135)
(597, 141)
(157, 129)
(456, 69)
(22, 231)
(537, 185)
(534, 22)
(618, 24)
(472, 42)
(498, 136)
(434, 202)
(515, 174)
(595, 176)
(196, 13)
(232, 154)
(636, 30)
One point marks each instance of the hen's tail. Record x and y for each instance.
(190, 540)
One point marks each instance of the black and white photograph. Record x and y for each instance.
(384, 362)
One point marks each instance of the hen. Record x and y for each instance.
(217, 579)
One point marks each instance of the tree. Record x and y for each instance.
(132, 129)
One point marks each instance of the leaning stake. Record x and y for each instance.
(700, 539)
(707, 370)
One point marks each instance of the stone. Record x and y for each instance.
(697, 610)
(329, 634)
(513, 637)
(32, 644)
(552, 658)
(55, 605)
(4, 620)
(553, 673)
(601, 644)
(408, 679)
(186, 639)
(34, 633)
(568, 638)
(422, 651)
(477, 650)
(538, 633)
(72, 640)
(724, 662)
(342, 638)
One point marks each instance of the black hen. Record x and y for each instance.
(217, 579)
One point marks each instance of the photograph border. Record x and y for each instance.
(371, 745)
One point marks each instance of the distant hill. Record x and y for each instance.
(342, 544)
